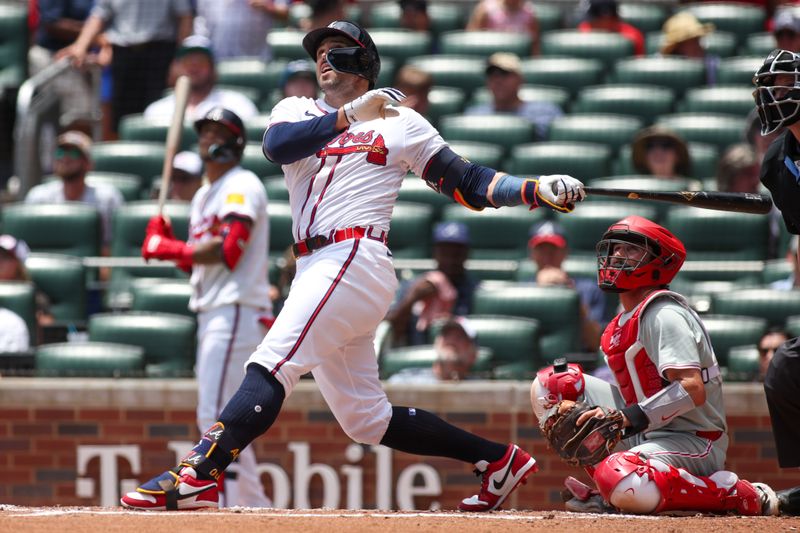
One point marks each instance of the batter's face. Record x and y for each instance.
(212, 133)
(329, 79)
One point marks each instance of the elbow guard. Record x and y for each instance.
(465, 182)
(235, 233)
(659, 409)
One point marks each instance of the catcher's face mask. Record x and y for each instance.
(777, 93)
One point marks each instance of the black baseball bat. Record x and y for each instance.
(740, 202)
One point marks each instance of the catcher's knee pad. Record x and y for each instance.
(626, 481)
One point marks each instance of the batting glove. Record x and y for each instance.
(560, 192)
(371, 105)
(158, 225)
(160, 247)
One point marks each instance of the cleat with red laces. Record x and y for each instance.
(499, 479)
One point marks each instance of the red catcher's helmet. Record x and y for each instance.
(663, 257)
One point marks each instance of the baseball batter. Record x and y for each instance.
(669, 393)
(344, 157)
(226, 254)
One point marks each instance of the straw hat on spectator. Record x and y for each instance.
(681, 27)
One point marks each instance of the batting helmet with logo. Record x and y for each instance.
(362, 60)
(636, 252)
(233, 148)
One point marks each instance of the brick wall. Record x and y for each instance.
(47, 427)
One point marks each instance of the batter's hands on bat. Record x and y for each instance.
(372, 105)
(560, 192)
(158, 225)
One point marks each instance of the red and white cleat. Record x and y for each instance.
(499, 479)
(174, 492)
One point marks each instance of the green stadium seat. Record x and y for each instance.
(415, 190)
(503, 130)
(644, 101)
(255, 161)
(250, 72)
(410, 230)
(383, 15)
(387, 73)
(731, 100)
(483, 153)
(462, 72)
(396, 359)
(581, 160)
(492, 269)
(514, 342)
(719, 235)
(676, 73)
(137, 128)
(446, 17)
(444, 101)
(585, 226)
(734, 17)
(530, 93)
(743, 273)
(645, 17)
(703, 157)
(168, 340)
(743, 364)
(603, 128)
(286, 43)
(759, 44)
(484, 43)
(400, 44)
(143, 158)
(608, 47)
(71, 228)
(727, 331)
(712, 128)
(772, 305)
(718, 43)
(90, 359)
(14, 42)
(276, 188)
(280, 227)
(255, 127)
(738, 70)
(549, 16)
(776, 269)
(20, 297)
(793, 325)
(556, 309)
(165, 295)
(550, 71)
(63, 279)
(495, 233)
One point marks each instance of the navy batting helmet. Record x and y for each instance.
(778, 104)
(362, 60)
(233, 148)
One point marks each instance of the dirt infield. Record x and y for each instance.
(109, 520)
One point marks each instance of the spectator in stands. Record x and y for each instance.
(603, 15)
(547, 248)
(187, 177)
(323, 12)
(416, 84)
(767, 345)
(144, 35)
(660, 152)
(414, 15)
(683, 36)
(514, 16)
(504, 80)
(14, 335)
(239, 28)
(60, 22)
(738, 170)
(438, 294)
(195, 59)
(13, 254)
(456, 349)
(792, 282)
(71, 164)
(786, 28)
(299, 79)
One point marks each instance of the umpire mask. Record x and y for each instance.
(777, 93)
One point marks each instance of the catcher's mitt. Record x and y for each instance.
(582, 445)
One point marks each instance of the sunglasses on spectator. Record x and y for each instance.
(72, 153)
(660, 143)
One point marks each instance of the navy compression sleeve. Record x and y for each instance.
(288, 142)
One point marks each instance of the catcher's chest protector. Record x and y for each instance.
(636, 374)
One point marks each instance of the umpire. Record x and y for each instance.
(777, 98)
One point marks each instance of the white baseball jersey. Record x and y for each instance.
(238, 192)
(236, 102)
(355, 179)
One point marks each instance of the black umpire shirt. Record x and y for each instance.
(780, 173)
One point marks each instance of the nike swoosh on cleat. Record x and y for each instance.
(183, 495)
(498, 486)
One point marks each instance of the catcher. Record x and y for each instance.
(657, 441)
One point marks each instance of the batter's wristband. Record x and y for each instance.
(530, 189)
